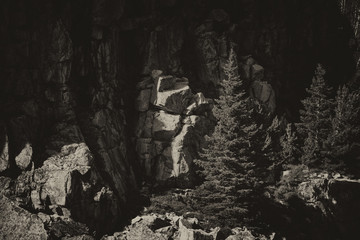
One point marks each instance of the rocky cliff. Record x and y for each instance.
(78, 93)
(170, 129)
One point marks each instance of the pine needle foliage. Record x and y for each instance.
(226, 161)
(315, 119)
(345, 135)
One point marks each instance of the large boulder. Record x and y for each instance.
(165, 126)
(17, 223)
(54, 179)
(23, 159)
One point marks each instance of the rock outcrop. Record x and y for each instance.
(259, 89)
(171, 226)
(17, 223)
(171, 124)
(327, 200)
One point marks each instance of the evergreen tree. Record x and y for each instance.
(315, 123)
(226, 161)
(273, 134)
(289, 152)
(344, 138)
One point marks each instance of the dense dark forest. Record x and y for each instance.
(179, 119)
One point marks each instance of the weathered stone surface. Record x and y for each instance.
(182, 157)
(187, 233)
(208, 55)
(168, 226)
(54, 178)
(155, 74)
(165, 83)
(23, 159)
(144, 125)
(173, 100)
(146, 152)
(143, 227)
(166, 141)
(143, 100)
(246, 65)
(4, 150)
(242, 234)
(146, 83)
(264, 92)
(82, 237)
(17, 223)
(312, 191)
(198, 105)
(164, 165)
(162, 46)
(160, 146)
(257, 72)
(165, 126)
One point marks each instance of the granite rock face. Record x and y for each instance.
(168, 135)
(171, 226)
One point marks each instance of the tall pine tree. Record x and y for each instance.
(345, 137)
(315, 123)
(226, 161)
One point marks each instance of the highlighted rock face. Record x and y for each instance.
(23, 159)
(169, 132)
(165, 126)
(171, 94)
(54, 179)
